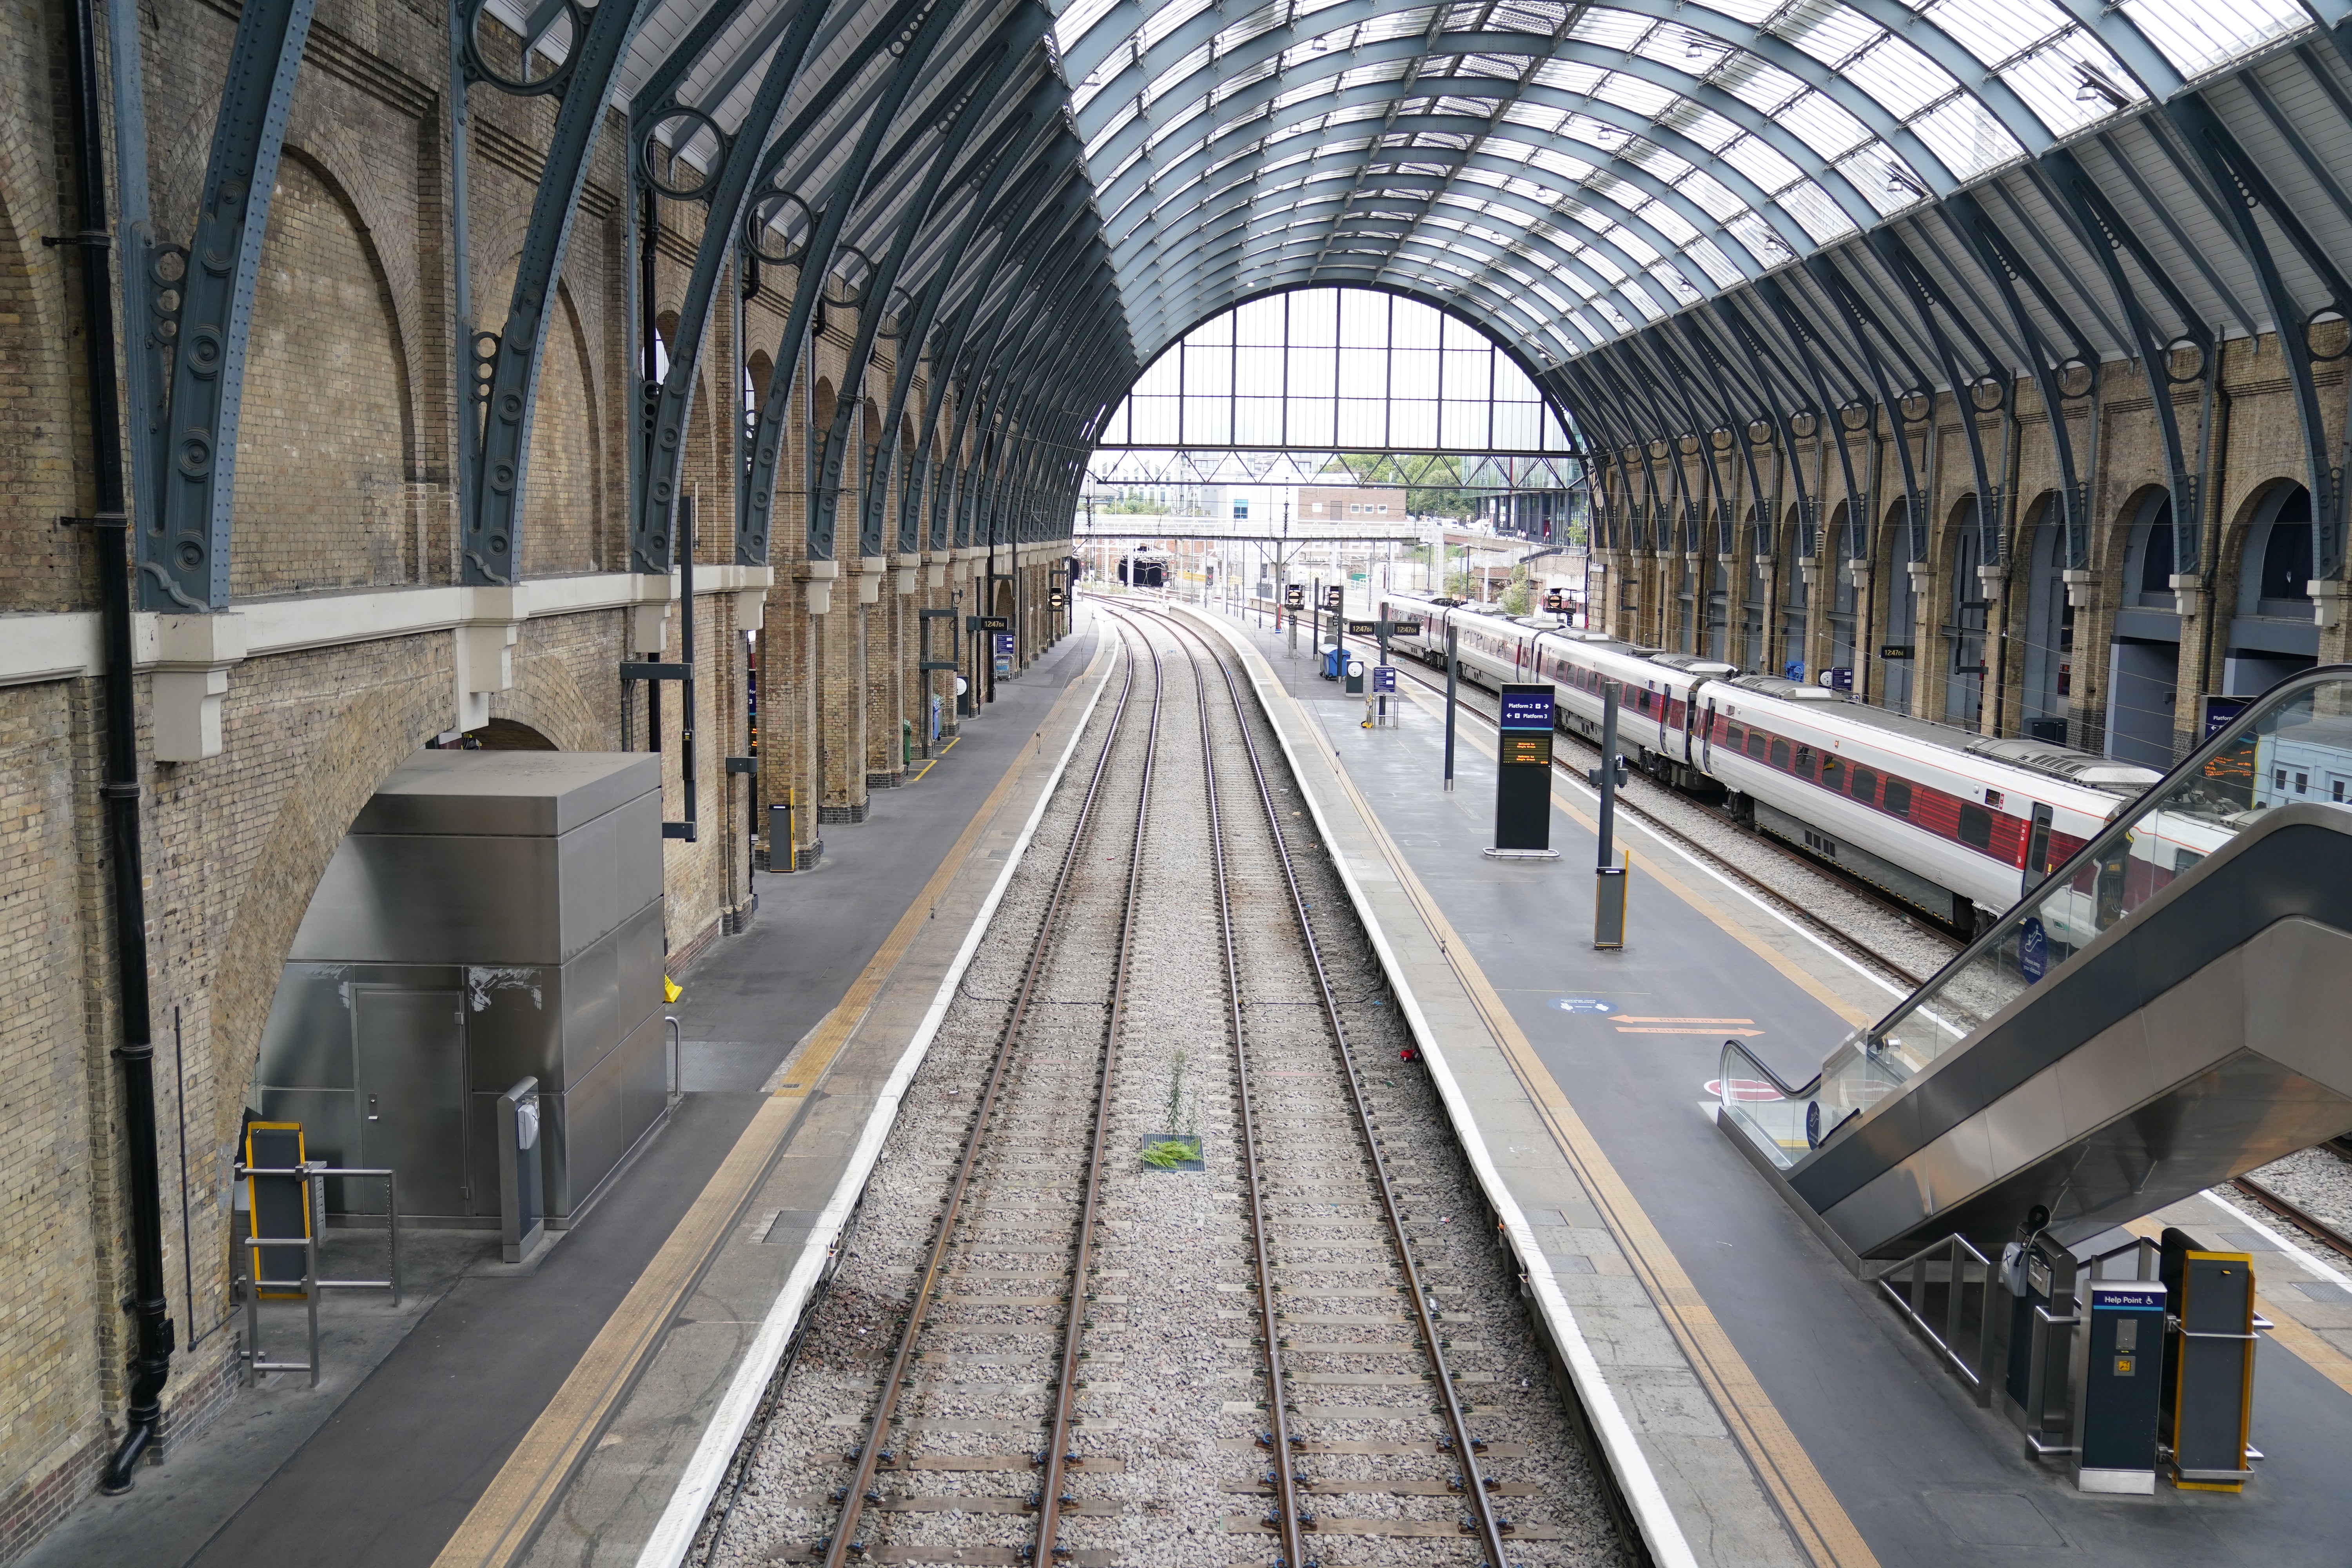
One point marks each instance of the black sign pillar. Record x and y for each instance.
(1452, 693)
(1523, 776)
(1609, 877)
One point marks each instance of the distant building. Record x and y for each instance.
(1360, 503)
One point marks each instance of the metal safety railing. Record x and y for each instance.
(314, 1177)
(1959, 1267)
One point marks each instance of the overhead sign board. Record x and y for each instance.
(1526, 708)
(988, 623)
(1295, 596)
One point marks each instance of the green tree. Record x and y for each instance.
(1432, 485)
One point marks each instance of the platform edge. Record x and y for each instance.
(681, 1519)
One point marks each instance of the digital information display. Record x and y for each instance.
(1527, 751)
(1526, 710)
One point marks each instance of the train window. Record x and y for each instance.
(1864, 786)
(1755, 742)
(1781, 753)
(1975, 826)
(1897, 799)
(1804, 768)
(1829, 770)
(1732, 737)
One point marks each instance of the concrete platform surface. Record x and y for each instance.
(1866, 1447)
(421, 1410)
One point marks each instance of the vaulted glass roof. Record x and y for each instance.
(1573, 173)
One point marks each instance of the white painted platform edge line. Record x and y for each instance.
(1661, 1530)
(2286, 1244)
(673, 1533)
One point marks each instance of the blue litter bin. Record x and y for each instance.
(1332, 660)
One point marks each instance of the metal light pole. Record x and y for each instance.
(1608, 890)
(1453, 692)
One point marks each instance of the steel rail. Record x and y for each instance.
(1488, 1525)
(1286, 1491)
(843, 1542)
(2318, 1229)
(1784, 899)
(1057, 1449)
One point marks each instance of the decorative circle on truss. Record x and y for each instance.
(196, 458)
(1848, 410)
(2068, 370)
(1915, 404)
(1986, 387)
(1720, 438)
(502, 477)
(1804, 423)
(696, 122)
(856, 293)
(1760, 432)
(895, 312)
(762, 215)
(2172, 353)
(568, 31)
(192, 554)
(204, 350)
(2327, 315)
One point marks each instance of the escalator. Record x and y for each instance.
(2168, 1009)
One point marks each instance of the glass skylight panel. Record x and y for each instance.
(1822, 218)
(1996, 30)
(2199, 36)
(1761, 85)
(1832, 32)
(1166, 18)
(1078, 19)
(1117, 123)
(1677, 230)
(1762, 242)
(1569, 76)
(1610, 30)
(1193, 60)
(1871, 171)
(1825, 127)
(1701, 125)
(1674, 283)
(1760, 164)
(1963, 132)
(1645, 98)
(2051, 81)
(1712, 261)
(1899, 76)
(1410, 24)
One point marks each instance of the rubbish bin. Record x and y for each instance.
(1332, 658)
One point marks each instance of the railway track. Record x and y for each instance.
(2311, 1224)
(1894, 968)
(1333, 1058)
(1042, 1279)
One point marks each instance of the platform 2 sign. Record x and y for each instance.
(1523, 782)
(1526, 708)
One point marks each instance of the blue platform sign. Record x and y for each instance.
(1526, 710)
(1384, 678)
(2032, 950)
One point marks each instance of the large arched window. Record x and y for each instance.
(1843, 599)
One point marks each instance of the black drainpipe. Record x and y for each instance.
(153, 1366)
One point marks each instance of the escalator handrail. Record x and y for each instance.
(1785, 1089)
(2125, 818)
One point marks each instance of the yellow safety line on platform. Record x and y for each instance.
(1696, 899)
(507, 1515)
(1814, 1517)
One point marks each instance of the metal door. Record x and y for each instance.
(408, 1053)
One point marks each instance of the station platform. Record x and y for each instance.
(1782, 1409)
(550, 1411)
